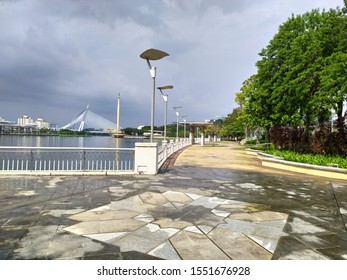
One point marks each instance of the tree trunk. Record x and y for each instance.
(307, 124)
(340, 120)
(267, 135)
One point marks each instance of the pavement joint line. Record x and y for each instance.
(147, 197)
(338, 207)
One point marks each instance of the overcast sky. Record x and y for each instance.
(58, 56)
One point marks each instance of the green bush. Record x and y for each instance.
(68, 132)
(323, 160)
(254, 142)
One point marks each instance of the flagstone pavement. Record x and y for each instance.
(213, 203)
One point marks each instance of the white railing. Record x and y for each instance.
(167, 149)
(145, 158)
(43, 159)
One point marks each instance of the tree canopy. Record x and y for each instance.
(301, 75)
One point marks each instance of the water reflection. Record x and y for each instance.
(57, 141)
(117, 152)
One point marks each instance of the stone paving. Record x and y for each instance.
(214, 203)
(176, 225)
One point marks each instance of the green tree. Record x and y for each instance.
(233, 126)
(132, 131)
(255, 108)
(334, 74)
(301, 75)
(288, 71)
(288, 85)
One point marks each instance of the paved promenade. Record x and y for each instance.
(209, 203)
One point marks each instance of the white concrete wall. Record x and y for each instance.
(146, 158)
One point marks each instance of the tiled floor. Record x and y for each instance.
(214, 203)
(177, 225)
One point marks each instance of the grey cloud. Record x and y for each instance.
(106, 11)
(228, 6)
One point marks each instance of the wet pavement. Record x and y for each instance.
(212, 203)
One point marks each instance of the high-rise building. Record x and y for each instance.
(25, 120)
(41, 123)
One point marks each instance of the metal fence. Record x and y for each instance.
(16, 159)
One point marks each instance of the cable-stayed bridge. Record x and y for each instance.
(88, 120)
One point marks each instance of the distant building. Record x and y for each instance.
(4, 121)
(53, 126)
(216, 119)
(219, 118)
(41, 123)
(25, 120)
(5, 126)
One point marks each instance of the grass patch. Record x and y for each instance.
(254, 142)
(323, 160)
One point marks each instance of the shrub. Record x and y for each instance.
(323, 160)
(316, 141)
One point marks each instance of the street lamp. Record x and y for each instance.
(177, 115)
(185, 120)
(152, 54)
(165, 97)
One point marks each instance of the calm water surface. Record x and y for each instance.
(57, 141)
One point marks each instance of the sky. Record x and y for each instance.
(58, 56)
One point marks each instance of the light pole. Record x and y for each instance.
(152, 54)
(165, 97)
(177, 115)
(185, 120)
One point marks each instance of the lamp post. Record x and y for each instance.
(165, 97)
(152, 54)
(177, 115)
(185, 120)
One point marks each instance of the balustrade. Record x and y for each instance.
(146, 158)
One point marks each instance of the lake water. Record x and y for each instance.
(24, 159)
(57, 141)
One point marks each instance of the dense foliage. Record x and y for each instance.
(68, 132)
(301, 83)
(323, 160)
(171, 130)
(233, 127)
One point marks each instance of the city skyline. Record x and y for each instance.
(22, 116)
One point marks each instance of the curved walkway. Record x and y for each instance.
(212, 203)
(227, 155)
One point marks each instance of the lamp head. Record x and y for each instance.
(153, 54)
(177, 107)
(165, 87)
